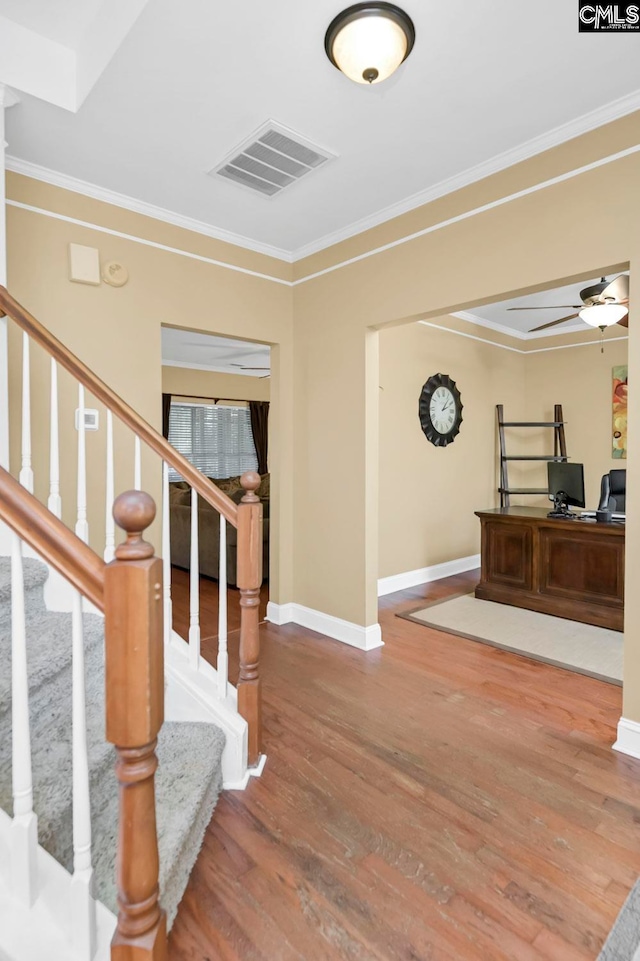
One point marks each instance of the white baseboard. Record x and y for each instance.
(364, 638)
(401, 582)
(280, 613)
(249, 773)
(628, 741)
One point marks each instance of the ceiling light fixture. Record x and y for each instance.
(369, 41)
(603, 315)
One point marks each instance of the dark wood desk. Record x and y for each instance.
(573, 569)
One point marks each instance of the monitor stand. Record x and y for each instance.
(560, 509)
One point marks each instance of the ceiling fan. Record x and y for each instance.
(242, 367)
(603, 294)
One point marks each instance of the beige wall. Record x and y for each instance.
(187, 382)
(580, 380)
(514, 247)
(428, 495)
(546, 238)
(117, 332)
(458, 254)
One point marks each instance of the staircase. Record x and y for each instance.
(189, 754)
(88, 830)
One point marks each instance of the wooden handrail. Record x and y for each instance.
(206, 488)
(51, 539)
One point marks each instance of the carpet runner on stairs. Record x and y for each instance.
(189, 776)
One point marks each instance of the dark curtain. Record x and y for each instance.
(166, 411)
(259, 411)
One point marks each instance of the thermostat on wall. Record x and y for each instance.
(91, 419)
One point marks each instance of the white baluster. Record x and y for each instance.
(109, 523)
(137, 467)
(24, 830)
(223, 656)
(82, 527)
(26, 472)
(166, 554)
(54, 503)
(194, 586)
(83, 908)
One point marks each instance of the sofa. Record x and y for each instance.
(209, 528)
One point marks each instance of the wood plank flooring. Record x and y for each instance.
(434, 800)
(209, 615)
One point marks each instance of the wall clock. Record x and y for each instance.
(440, 410)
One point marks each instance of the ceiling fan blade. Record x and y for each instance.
(242, 367)
(553, 323)
(625, 321)
(617, 290)
(550, 307)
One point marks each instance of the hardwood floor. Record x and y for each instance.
(209, 615)
(434, 800)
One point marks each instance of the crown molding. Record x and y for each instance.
(517, 350)
(518, 334)
(553, 138)
(467, 214)
(75, 185)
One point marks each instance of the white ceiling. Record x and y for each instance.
(184, 348)
(499, 317)
(189, 82)
(63, 21)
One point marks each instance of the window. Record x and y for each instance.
(216, 440)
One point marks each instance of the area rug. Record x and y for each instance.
(583, 648)
(623, 943)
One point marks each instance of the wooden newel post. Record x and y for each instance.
(249, 573)
(135, 712)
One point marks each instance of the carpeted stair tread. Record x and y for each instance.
(50, 710)
(48, 646)
(188, 781)
(34, 573)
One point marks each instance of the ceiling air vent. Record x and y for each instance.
(271, 159)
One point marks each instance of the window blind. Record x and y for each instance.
(216, 440)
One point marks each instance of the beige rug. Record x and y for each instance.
(578, 647)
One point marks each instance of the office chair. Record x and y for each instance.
(613, 490)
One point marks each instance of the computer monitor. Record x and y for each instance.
(566, 486)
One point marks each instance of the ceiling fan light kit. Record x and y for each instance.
(603, 315)
(369, 41)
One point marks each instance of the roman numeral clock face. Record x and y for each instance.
(440, 410)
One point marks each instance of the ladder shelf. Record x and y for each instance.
(559, 451)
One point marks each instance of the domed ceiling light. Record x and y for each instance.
(603, 315)
(369, 41)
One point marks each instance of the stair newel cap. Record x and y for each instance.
(250, 481)
(133, 512)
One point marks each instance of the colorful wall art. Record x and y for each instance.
(620, 412)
